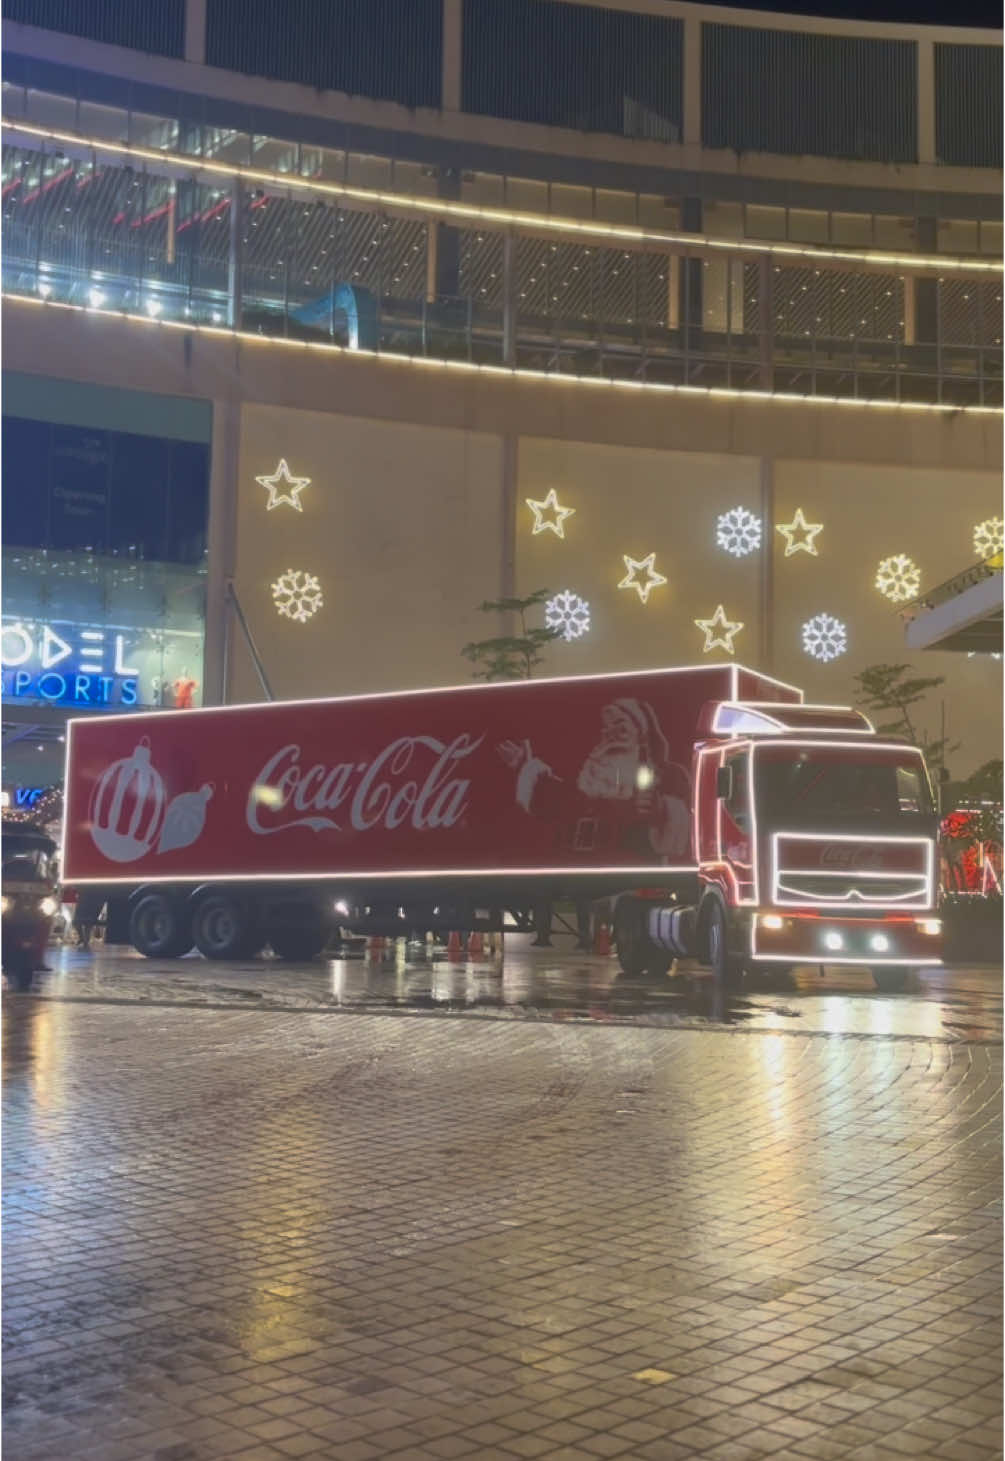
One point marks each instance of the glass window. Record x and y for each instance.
(188, 506)
(824, 786)
(26, 480)
(79, 488)
(766, 223)
(737, 804)
(957, 236)
(138, 490)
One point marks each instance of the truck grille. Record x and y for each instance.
(854, 888)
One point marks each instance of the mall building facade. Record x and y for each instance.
(319, 335)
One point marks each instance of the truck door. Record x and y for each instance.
(736, 825)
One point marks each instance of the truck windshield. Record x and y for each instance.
(813, 786)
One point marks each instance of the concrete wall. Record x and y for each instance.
(416, 510)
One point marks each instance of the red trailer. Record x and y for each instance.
(717, 814)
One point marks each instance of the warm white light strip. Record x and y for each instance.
(140, 879)
(274, 705)
(927, 892)
(466, 367)
(862, 962)
(501, 217)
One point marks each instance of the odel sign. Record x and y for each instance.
(66, 664)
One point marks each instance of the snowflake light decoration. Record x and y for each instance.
(898, 578)
(989, 537)
(569, 613)
(738, 532)
(824, 637)
(297, 595)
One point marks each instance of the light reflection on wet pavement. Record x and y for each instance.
(543, 984)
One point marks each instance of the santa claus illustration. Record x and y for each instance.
(628, 798)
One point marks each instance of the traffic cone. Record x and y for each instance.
(476, 946)
(602, 940)
(454, 950)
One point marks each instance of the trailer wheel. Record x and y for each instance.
(727, 969)
(224, 927)
(159, 927)
(298, 945)
(890, 980)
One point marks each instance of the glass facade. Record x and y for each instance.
(104, 545)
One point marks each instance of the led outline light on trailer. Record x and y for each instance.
(271, 705)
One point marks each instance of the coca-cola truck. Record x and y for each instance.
(709, 810)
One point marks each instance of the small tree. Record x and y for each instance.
(511, 657)
(890, 689)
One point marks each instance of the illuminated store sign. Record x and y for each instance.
(67, 664)
(61, 662)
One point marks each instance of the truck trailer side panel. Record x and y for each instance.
(576, 775)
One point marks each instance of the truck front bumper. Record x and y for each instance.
(835, 938)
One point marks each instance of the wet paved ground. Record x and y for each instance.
(597, 1223)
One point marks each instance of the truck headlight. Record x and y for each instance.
(879, 942)
(48, 907)
(771, 920)
(931, 926)
(4, 905)
(833, 940)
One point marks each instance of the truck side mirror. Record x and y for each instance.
(724, 783)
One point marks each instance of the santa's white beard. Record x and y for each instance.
(611, 775)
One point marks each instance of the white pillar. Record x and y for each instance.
(692, 81)
(450, 95)
(195, 31)
(926, 100)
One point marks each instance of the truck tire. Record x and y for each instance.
(159, 927)
(224, 927)
(727, 969)
(637, 954)
(298, 945)
(890, 979)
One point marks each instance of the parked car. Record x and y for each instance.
(29, 900)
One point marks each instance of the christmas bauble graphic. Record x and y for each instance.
(127, 807)
(184, 819)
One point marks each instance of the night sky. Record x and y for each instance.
(910, 12)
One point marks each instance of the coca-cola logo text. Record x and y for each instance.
(410, 781)
(859, 859)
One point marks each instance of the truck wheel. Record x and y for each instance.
(298, 945)
(159, 927)
(728, 970)
(890, 980)
(224, 928)
(637, 954)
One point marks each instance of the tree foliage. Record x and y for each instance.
(892, 690)
(511, 656)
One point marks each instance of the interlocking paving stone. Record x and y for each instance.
(263, 1235)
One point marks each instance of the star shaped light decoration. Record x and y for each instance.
(643, 586)
(719, 631)
(804, 544)
(551, 504)
(282, 477)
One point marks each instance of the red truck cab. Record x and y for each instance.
(815, 842)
